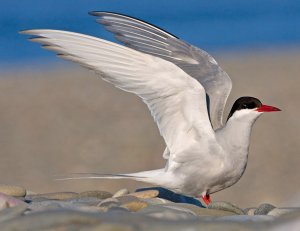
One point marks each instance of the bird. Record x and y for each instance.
(185, 90)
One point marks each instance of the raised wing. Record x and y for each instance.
(147, 38)
(176, 101)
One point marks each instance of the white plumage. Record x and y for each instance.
(184, 89)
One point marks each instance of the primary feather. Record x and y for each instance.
(176, 101)
(147, 38)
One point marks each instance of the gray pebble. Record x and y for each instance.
(155, 201)
(95, 193)
(127, 198)
(162, 212)
(53, 196)
(109, 202)
(12, 212)
(282, 211)
(198, 211)
(222, 205)
(264, 209)
(246, 218)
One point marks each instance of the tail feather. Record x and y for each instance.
(145, 176)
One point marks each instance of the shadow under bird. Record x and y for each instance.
(185, 90)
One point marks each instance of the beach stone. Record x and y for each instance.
(127, 198)
(12, 212)
(162, 212)
(54, 196)
(264, 209)
(145, 194)
(134, 206)
(249, 211)
(10, 201)
(246, 218)
(198, 211)
(89, 201)
(3, 204)
(155, 201)
(109, 227)
(52, 220)
(121, 192)
(277, 212)
(222, 205)
(109, 202)
(97, 194)
(12, 190)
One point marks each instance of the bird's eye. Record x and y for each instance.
(244, 106)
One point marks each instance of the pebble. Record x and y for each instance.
(12, 190)
(250, 211)
(9, 201)
(127, 198)
(198, 211)
(97, 194)
(221, 205)
(135, 206)
(54, 196)
(145, 194)
(121, 192)
(109, 202)
(282, 211)
(167, 213)
(264, 209)
(139, 211)
(155, 201)
(12, 212)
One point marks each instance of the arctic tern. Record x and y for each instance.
(185, 90)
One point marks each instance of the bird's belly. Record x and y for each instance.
(200, 179)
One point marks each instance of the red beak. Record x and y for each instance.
(267, 108)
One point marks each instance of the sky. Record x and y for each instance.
(215, 26)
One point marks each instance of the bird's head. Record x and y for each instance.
(249, 108)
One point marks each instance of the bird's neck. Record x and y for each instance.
(235, 135)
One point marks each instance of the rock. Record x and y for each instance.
(54, 196)
(10, 201)
(109, 227)
(121, 192)
(109, 202)
(221, 205)
(264, 209)
(161, 212)
(282, 211)
(145, 194)
(135, 206)
(12, 212)
(250, 211)
(3, 204)
(246, 218)
(12, 190)
(97, 194)
(155, 201)
(127, 198)
(198, 211)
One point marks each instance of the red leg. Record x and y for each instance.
(206, 199)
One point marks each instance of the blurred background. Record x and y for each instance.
(57, 118)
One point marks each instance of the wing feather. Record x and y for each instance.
(197, 63)
(176, 101)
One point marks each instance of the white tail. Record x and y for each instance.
(145, 176)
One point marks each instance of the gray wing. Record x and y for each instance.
(147, 38)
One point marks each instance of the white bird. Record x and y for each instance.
(185, 90)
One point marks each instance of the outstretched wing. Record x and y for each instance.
(176, 101)
(147, 38)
